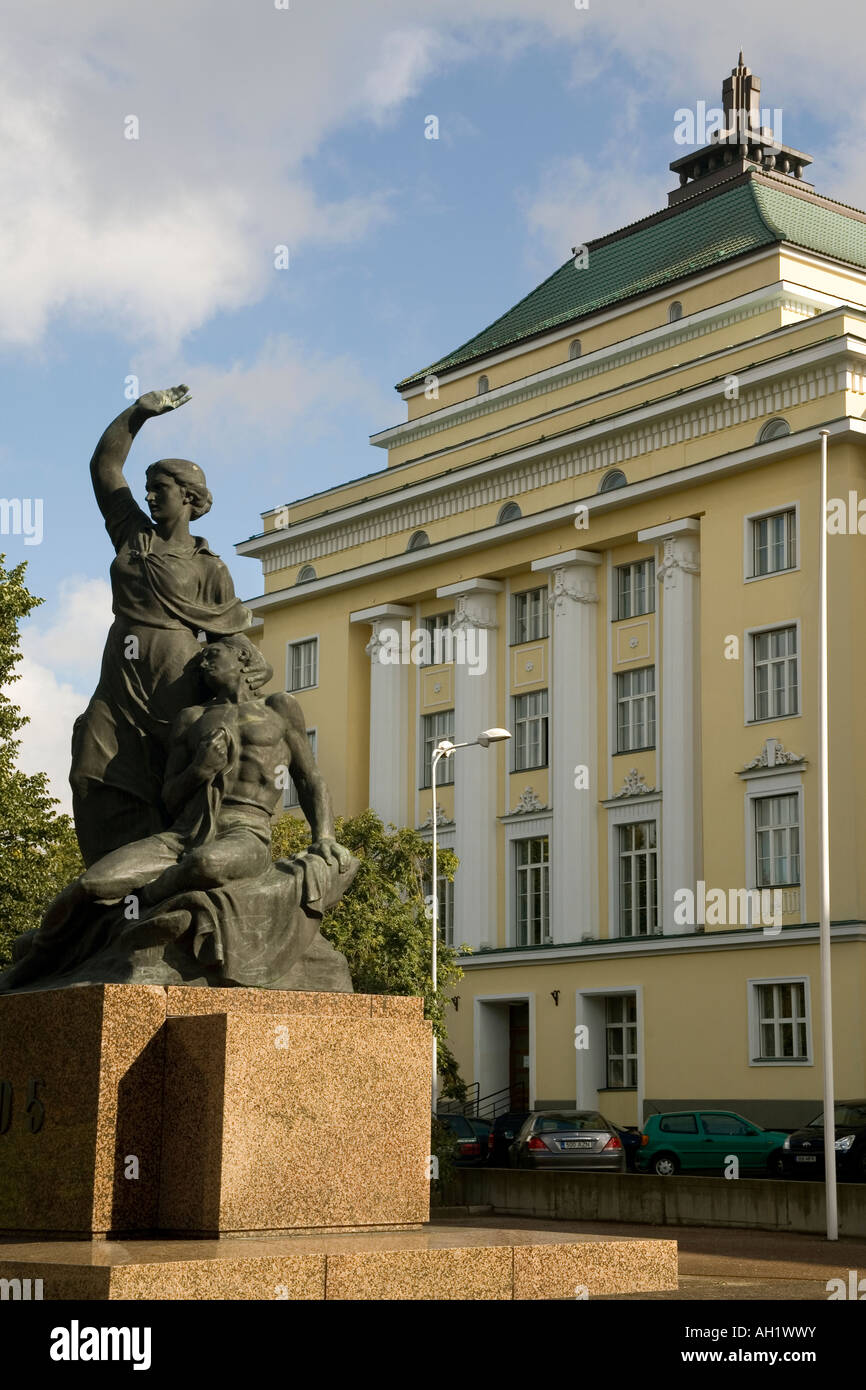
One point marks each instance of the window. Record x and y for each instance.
(439, 642)
(435, 727)
(773, 429)
(621, 1041)
(305, 574)
(418, 540)
(530, 730)
(615, 478)
(679, 1124)
(781, 1020)
(303, 664)
(638, 879)
(290, 795)
(510, 512)
(574, 349)
(635, 589)
(532, 867)
(774, 543)
(727, 1124)
(776, 673)
(777, 840)
(635, 709)
(445, 894)
(675, 311)
(483, 385)
(529, 616)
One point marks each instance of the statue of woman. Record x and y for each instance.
(167, 586)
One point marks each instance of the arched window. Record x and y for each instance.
(615, 478)
(773, 429)
(483, 385)
(418, 540)
(675, 311)
(510, 512)
(574, 349)
(305, 574)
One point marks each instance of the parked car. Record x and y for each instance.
(468, 1151)
(803, 1151)
(704, 1140)
(557, 1139)
(481, 1129)
(505, 1130)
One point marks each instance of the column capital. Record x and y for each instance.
(385, 616)
(474, 602)
(681, 544)
(576, 558)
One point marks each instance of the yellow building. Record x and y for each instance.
(599, 527)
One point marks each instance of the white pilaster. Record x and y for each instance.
(476, 769)
(388, 651)
(679, 727)
(573, 704)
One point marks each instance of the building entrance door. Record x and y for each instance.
(518, 1054)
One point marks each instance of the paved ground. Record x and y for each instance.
(716, 1263)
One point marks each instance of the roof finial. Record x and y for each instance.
(742, 62)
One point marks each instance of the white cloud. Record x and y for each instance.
(61, 655)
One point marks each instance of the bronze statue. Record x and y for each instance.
(193, 897)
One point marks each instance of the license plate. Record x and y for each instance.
(807, 1158)
(577, 1143)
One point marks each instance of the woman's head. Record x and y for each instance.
(176, 483)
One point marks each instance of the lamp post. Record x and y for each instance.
(824, 863)
(446, 749)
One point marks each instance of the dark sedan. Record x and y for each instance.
(468, 1151)
(803, 1151)
(505, 1130)
(557, 1139)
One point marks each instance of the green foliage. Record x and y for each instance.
(382, 925)
(38, 848)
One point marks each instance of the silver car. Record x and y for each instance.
(577, 1139)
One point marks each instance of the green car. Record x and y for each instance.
(692, 1141)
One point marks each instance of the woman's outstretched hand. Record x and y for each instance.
(160, 402)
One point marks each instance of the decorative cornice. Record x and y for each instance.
(528, 802)
(441, 819)
(773, 754)
(603, 443)
(635, 785)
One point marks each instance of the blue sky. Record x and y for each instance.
(305, 126)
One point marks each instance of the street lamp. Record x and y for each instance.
(446, 749)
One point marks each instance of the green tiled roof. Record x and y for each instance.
(655, 253)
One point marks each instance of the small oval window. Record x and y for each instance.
(418, 540)
(675, 311)
(305, 574)
(615, 478)
(483, 385)
(773, 429)
(574, 350)
(510, 512)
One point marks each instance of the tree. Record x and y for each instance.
(38, 850)
(382, 925)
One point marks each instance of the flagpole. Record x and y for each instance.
(824, 856)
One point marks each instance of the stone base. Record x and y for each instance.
(439, 1262)
(141, 1109)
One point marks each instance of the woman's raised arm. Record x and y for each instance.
(110, 454)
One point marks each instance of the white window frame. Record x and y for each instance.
(299, 642)
(645, 695)
(290, 793)
(651, 850)
(639, 809)
(748, 545)
(627, 1056)
(749, 670)
(445, 766)
(542, 719)
(649, 589)
(754, 1017)
(527, 826)
(515, 868)
(591, 1062)
(778, 784)
(543, 615)
(433, 624)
